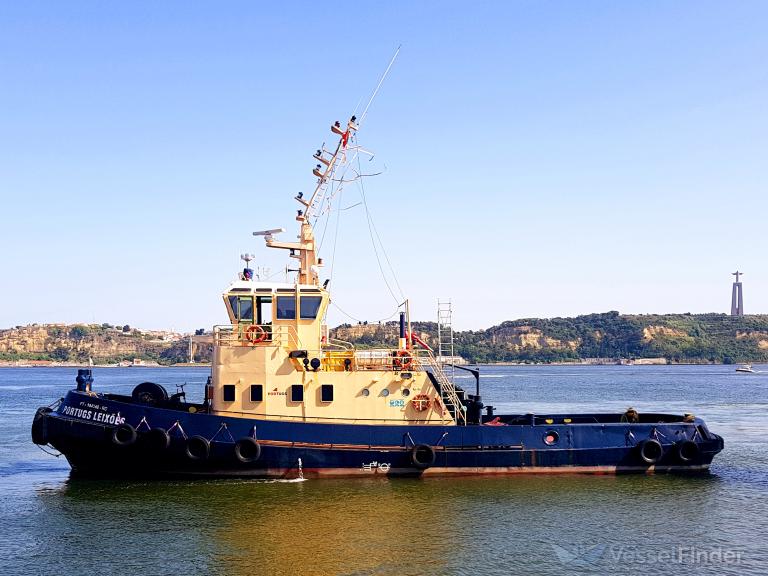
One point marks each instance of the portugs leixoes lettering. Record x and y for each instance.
(83, 414)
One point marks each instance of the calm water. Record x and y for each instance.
(51, 524)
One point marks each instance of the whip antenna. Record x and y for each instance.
(378, 86)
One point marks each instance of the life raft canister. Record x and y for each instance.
(255, 334)
(420, 402)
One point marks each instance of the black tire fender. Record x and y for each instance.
(247, 450)
(687, 451)
(198, 448)
(157, 440)
(40, 426)
(150, 394)
(423, 456)
(651, 451)
(124, 435)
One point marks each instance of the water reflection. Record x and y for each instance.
(491, 526)
(435, 526)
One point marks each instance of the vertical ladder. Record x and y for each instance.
(445, 356)
(445, 351)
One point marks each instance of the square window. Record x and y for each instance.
(309, 307)
(257, 392)
(286, 307)
(326, 393)
(297, 393)
(229, 392)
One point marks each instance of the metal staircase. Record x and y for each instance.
(448, 389)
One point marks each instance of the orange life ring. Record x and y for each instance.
(255, 334)
(420, 402)
(403, 360)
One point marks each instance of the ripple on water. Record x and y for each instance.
(51, 523)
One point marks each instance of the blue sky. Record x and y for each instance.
(538, 158)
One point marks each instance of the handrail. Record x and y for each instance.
(447, 387)
(267, 335)
(338, 344)
(341, 343)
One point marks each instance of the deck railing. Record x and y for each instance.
(245, 334)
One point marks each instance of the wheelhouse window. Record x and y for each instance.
(297, 393)
(229, 392)
(286, 307)
(242, 308)
(309, 307)
(257, 392)
(264, 309)
(326, 393)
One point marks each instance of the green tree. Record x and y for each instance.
(79, 332)
(61, 354)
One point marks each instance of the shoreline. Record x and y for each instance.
(50, 364)
(45, 364)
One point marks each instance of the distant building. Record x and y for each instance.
(737, 297)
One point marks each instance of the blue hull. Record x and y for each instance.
(85, 429)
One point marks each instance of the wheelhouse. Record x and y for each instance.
(258, 310)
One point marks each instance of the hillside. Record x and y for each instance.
(102, 343)
(684, 338)
(676, 337)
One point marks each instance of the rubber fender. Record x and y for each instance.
(149, 393)
(247, 450)
(156, 440)
(651, 451)
(40, 426)
(198, 448)
(423, 456)
(124, 435)
(687, 451)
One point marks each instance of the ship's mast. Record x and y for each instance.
(305, 250)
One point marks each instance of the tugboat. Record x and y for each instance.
(285, 399)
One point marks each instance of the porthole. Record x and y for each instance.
(551, 437)
(365, 392)
(406, 392)
(385, 392)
